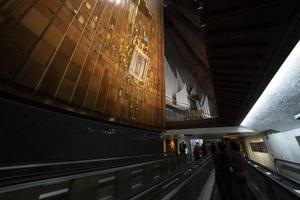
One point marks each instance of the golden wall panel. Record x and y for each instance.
(75, 55)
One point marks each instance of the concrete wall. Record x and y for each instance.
(284, 145)
(262, 158)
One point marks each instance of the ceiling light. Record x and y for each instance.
(298, 191)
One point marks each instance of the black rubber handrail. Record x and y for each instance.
(169, 184)
(27, 173)
(286, 161)
(283, 177)
(76, 175)
(277, 178)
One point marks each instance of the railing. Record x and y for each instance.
(267, 184)
(289, 169)
(131, 181)
(15, 174)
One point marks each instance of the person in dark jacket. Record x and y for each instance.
(204, 149)
(213, 148)
(182, 147)
(223, 175)
(238, 167)
(197, 151)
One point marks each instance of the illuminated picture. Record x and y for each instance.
(258, 147)
(139, 64)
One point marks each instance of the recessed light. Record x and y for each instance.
(297, 116)
(298, 191)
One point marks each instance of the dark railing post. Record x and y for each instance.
(185, 160)
(172, 164)
(148, 174)
(123, 183)
(164, 168)
(177, 162)
(84, 188)
(182, 161)
(28, 194)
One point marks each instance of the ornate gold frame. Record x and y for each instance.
(143, 67)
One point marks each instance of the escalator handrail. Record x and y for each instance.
(65, 178)
(177, 189)
(275, 159)
(276, 177)
(34, 165)
(281, 176)
(16, 174)
(189, 172)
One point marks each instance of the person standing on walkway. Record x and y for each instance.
(204, 149)
(213, 148)
(182, 147)
(223, 176)
(197, 151)
(238, 168)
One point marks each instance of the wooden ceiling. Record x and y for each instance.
(244, 42)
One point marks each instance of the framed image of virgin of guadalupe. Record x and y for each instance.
(139, 65)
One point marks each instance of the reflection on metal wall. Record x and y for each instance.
(30, 134)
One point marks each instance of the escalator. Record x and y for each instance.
(136, 178)
(266, 184)
(148, 177)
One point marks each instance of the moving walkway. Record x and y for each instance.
(136, 178)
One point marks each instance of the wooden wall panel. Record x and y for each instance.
(75, 55)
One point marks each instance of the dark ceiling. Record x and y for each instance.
(238, 44)
(184, 45)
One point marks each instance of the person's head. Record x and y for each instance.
(234, 146)
(221, 146)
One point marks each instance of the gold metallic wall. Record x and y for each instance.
(75, 55)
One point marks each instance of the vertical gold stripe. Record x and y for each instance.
(97, 96)
(82, 67)
(79, 40)
(90, 82)
(57, 48)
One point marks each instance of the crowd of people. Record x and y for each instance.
(199, 151)
(230, 168)
(231, 172)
